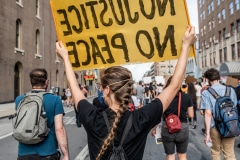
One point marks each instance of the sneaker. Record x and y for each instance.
(159, 141)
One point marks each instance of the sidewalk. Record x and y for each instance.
(7, 109)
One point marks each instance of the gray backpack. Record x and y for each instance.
(30, 121)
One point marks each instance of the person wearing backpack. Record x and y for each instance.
(208, 103)
(237, 91)
(116, 132)
(47, 148)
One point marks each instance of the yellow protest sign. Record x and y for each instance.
(99, 34)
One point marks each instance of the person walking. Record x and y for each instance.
(140, 92)
(212, 135)
(198, 88)
(192, 94)
(57, 136)
(116, 84)
(69, 97)
(178, 139)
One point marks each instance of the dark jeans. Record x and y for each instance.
(195, 113)
(55, 156)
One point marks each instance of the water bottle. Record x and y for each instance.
(209, 144)
(44, 114)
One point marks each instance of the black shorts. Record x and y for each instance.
(179, 139)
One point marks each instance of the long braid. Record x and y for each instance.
(111, 135)
(122, 89)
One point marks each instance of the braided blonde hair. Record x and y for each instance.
(119, 79)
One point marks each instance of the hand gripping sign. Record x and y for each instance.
(105, 33)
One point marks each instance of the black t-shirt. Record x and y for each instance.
(186, 102)
(97, 103)
(144, 119)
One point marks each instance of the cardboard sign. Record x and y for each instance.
(147, 80)
(190, 79)
(99, 34)
(232, 82)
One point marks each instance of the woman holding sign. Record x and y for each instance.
(117, 85)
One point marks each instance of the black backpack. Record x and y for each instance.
(118, 152)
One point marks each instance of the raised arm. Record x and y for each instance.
(71, 78)
(169, 93)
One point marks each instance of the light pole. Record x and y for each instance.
(169, 66)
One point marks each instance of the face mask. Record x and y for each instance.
(100, 98)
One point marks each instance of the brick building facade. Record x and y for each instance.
(219, 35)
(28, 39)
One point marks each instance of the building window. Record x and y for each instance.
(238, 49)
(233, 51)
(210, 25)
(224, 33)
(204, 29)
(225, 53)
(37, 8)
(214, 58)
(212, 5)
(223, 14)
(219, 35)
(237, 4)
(220, 56)
(238, 26)
(203, 13)
(219, 17)
(202, 62)
(231, 9)
(218, 2)
(232, 29)
(209, 8)
(37, 41)
(18, 33)
(213, 23)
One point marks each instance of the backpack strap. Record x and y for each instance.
(179, 102)
(213, 93)
(127, 128)
(106, 120)
(228, 91)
